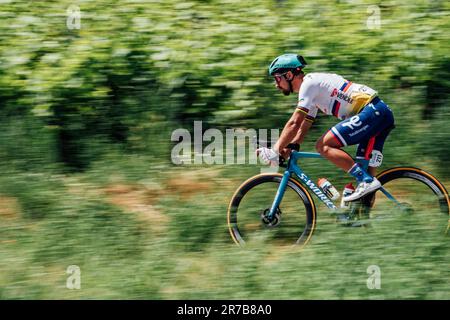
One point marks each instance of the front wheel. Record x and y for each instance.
(295, 216)
(420, 195)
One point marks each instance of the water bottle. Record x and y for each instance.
(348, 190)
(328, 188)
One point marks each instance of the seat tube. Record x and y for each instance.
(280, 193)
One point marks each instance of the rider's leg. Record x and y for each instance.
(362, 171)
(381, 121)
(361, 129)
(371, 151)
(330, 148)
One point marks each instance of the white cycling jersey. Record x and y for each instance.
(333, 95)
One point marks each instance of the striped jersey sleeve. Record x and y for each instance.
(306, 95)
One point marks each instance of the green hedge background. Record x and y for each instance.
(86, 119)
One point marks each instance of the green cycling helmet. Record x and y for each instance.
(286, 62)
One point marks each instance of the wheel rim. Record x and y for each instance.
(424, 199)
(245, 224)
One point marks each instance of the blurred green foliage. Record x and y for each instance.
(84, 109)
(136, 69)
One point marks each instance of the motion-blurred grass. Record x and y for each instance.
(163, 235)
(86, 118)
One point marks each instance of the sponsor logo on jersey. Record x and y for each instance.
(341, 95)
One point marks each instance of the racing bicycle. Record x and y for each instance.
(279, 207)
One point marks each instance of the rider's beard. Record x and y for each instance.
(286, 92)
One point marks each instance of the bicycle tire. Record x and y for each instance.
(426, 178)
(304, 196)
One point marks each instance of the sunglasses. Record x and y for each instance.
(278, 77)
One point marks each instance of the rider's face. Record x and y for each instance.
(282, 84)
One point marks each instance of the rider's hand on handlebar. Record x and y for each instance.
(268, 156)
(285, 153)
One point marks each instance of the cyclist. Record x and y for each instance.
(366, 120)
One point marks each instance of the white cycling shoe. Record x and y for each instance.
(363, 189)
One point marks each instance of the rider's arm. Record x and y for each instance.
(303, 116)
(301, 133)
(306, 106)
(290, 130)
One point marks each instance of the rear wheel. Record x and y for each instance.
(294, 221)
(422, 198)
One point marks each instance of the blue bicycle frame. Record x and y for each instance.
(293, 168)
